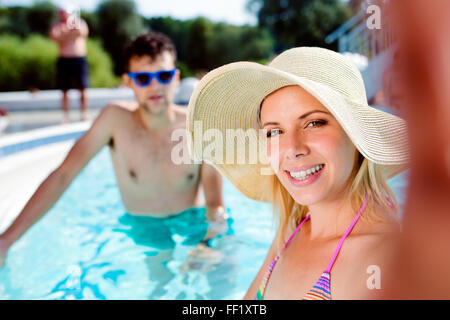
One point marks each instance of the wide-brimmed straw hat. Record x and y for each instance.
(229, 97)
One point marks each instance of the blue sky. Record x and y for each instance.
(230, 11)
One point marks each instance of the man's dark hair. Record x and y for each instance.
(149, 44)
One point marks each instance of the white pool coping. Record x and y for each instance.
(44, 132)
(22, 172)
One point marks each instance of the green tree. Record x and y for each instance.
(41, 16)
(256, 44)
(232, 43)
(14, 20)
(176, 30)
(31, 63)
(224, 45)
(203, 45)
(119, 23)
(27, 63)
(198, 38)
(300, 22)
(100, 66)
(91, 19)
(4, 20)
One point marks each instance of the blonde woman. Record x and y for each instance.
(331, 155)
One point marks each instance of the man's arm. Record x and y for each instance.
(55, 33)
(75, 31)
(57, 182)
(61, 33)
(84, 29)
(211, 181)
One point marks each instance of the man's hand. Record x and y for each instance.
(217, 222)
(202, 259)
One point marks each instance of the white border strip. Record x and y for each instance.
(15, 138)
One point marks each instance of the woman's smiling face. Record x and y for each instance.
(309, 137)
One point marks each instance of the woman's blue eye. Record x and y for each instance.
(272, 132)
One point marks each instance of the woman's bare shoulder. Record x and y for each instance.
(378, 227)
(376, 237)
(368, 259)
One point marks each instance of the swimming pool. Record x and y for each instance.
(84, 248)
(79, 250)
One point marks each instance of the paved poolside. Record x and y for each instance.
(28, 111)
(33, 110)
(29, 120)
(24, 172)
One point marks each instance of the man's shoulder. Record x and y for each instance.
(55, 25)
(118, 110)
(181, 113)
(180, 110)
(121, 107)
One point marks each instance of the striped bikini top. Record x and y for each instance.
(321, 290)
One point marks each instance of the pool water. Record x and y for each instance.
(87, 247)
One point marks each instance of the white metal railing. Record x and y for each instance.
(354, 35)
(375, 47)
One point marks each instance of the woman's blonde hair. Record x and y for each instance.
(366, 177)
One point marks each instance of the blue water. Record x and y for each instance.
(86, 247)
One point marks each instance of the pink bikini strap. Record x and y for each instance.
(272, 265)
(295, 232)
(336, 252)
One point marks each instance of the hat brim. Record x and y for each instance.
(229, 98)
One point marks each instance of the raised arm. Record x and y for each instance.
(62, 34)
(55, 33)
(84, 29)
(77, 30)
(57, 182)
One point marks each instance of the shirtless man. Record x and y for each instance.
(70, 34)
(139, 138)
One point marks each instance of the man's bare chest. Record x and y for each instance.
(142, 158)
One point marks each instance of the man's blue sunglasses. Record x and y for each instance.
(143, 79)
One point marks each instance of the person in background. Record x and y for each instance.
(72, 70)
(139, 137)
